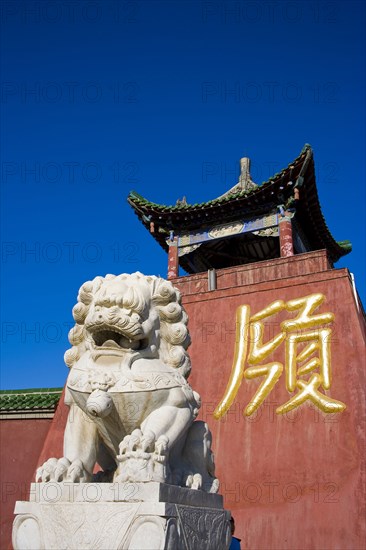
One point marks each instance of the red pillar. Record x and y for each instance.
(173, 264)
(286, 242)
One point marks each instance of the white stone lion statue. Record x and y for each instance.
(132, 411)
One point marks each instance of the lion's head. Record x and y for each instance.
(130, 316)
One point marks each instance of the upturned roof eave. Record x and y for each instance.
(309, 207)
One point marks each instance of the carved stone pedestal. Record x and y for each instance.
(116, 516)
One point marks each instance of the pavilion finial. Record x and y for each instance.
(245, 182)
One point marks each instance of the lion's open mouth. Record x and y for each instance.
(111, 339)
(108, 338)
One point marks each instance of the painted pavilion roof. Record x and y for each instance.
(256, 200)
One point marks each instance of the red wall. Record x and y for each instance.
(21, 443)
(292, 481)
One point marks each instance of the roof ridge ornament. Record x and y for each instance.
(181, 202)
(245, 182)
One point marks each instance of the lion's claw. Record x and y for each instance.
(147, 441)
(142, 457)
(194, 481)
(135, 440)
(62, 470)
(161, 445)
(77, 473)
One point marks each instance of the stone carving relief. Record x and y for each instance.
(120, 526)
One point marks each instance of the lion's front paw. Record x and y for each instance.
(53, 470)
(142, 458)
(62, 470)
(77, 473)
(194, 481)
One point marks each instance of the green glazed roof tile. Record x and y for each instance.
(31, 399)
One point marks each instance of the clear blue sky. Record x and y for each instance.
(163, 97)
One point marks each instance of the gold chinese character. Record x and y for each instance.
(295, 332)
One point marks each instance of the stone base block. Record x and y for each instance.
(116, 516)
